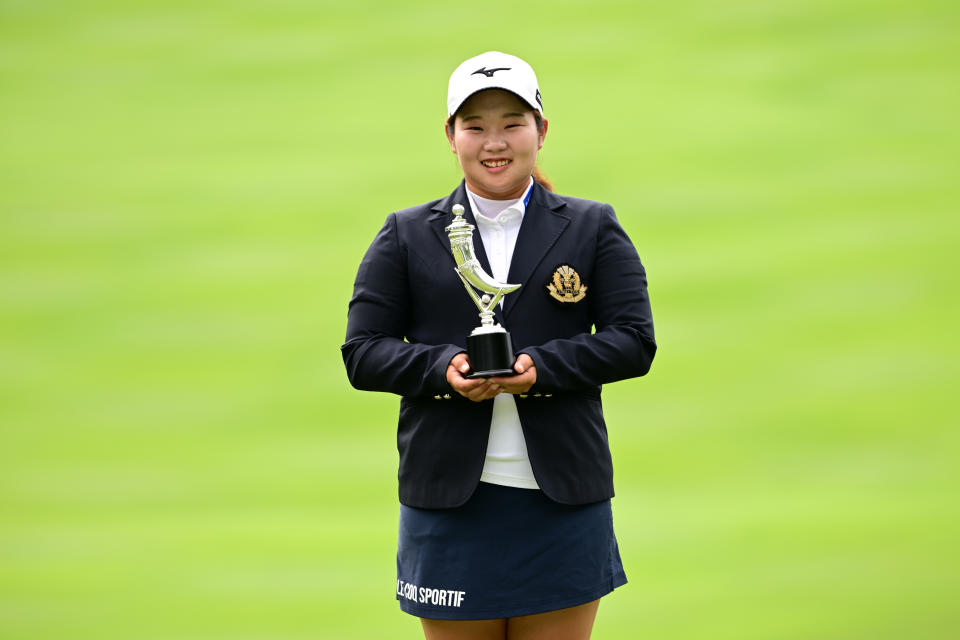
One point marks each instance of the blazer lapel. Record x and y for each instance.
(543, 224)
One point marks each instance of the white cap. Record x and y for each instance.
(493, 70)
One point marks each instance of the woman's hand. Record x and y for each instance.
(476, 389)
(521, 383)
(480, 389)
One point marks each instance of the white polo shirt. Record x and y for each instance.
(506, 462)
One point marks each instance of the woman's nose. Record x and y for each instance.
(494, 142)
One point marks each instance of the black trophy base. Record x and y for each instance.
(491, 354)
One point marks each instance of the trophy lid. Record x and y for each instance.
(459, 226)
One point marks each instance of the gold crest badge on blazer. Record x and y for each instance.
(565, 285)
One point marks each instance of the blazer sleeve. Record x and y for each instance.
(376, 355)
(623, 344)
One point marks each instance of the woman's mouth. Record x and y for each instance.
(494, 164)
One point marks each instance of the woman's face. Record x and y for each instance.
(496, 139)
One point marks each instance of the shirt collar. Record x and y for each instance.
(514, 212)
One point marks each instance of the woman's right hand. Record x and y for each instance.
(476, 389)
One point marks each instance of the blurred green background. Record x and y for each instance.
(186, 189)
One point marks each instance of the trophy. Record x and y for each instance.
(489, 346)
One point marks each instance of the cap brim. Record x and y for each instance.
(476, 91)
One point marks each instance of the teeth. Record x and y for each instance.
(497, 163)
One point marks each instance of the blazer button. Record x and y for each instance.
(523, 395)
(536, 395)
(548, 395)
(446, 396)
(436, 397)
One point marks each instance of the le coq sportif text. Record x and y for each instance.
(429, 595)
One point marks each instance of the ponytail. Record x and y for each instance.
(542, 179)
(537, 174)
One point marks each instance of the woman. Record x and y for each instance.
(505, 482)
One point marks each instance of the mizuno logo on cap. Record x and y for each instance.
(489, 72)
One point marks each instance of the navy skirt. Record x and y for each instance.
(507, 552)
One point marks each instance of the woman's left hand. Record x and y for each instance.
(521, 383)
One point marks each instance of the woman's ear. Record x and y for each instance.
(542, 134)
(448, 130)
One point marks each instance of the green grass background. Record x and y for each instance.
(186, 189)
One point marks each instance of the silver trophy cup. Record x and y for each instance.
(489, 345)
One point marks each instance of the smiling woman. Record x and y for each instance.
(505, 482)
(496, 137)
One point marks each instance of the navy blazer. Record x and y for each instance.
(410, 315)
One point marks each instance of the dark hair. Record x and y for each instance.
(537, 174)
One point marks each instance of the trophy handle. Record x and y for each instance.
(472, 272)
(484, 303)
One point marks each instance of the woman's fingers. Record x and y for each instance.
(526, 376)
(476, 389)
(523, 363)
(519, 383)
(485, 391)
(461, 362)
